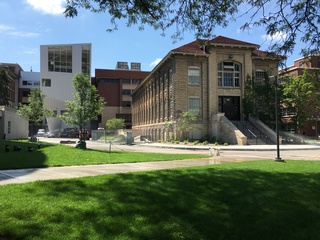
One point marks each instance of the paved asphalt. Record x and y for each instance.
(216, 155)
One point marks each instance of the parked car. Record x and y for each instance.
(70, 133)
(86, 133)
(49, 134)
(41, 133)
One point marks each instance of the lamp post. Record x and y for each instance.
(278, 158)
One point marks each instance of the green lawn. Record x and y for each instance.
(249, 200)
(50, 155)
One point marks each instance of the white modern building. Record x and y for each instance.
(58, 65)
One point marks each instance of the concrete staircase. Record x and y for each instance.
(253, 134)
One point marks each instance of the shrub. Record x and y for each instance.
(185, 142)
(195, 142)
(216, 143)
(205, 143)
(226, 144)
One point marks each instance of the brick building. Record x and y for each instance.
(12, 126)
(312, 64)
(205, 79)
(116, 86)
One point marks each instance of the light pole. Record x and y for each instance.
(278, 158)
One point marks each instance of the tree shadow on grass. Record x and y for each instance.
(22, 154)
(195, 203)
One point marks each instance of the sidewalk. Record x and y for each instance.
(40, 174)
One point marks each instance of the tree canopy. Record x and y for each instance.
(4, 82)
(300, 98)
(292, 20)
(35, 110)
(185, 124)
(115, 123)
(86, 106)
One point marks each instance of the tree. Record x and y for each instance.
(86, 106)
(115, 123)
(35, 110)
(4, 82)
(289, 20)
(300, 98)
(186, 123)
(259, 99)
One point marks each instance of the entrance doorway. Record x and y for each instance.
(230, 105)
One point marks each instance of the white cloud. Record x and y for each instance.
(4, 28)
(23, 34)
(155, 62)
(29, 51)
(7, 30)
(53, 7)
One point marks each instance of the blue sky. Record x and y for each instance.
(27, 24)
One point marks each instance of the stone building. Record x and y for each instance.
(205, 78)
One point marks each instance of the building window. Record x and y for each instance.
(86, 61)
(9, 127)
(126, 81)
(46, 82)
(60, 59)
(194, 105)
(229, 74)
(135, 81)
(127, 118)
(194, 75)
(62, 112)
(260, 76)
(108, 80)
(36, 83)
(126, 104)
(27, 83)
(126, 92)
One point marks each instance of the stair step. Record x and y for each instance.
(247, 128)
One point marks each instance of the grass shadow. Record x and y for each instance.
(214, 202)
(19, 154)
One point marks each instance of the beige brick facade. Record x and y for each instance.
(164, 95)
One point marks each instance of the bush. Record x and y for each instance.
(205, 143)
(208, 138)
(185, 142)
(216, 143)
(226, 144)
(195, 142)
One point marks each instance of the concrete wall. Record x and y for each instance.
(265, 129)
(12, 126)
(225, 131)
